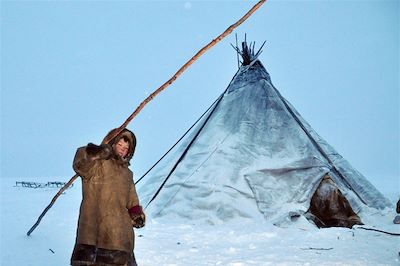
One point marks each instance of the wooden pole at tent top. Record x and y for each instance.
(151, 97)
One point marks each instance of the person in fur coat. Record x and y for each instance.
(110, 206)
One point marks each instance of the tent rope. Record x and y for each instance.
(173, 146)
(380, 231)
(187, 148)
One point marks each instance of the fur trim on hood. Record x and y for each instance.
(131, 139)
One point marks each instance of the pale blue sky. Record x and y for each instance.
(71, 70)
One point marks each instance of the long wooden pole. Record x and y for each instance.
(151, 97)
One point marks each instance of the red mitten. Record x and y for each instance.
(138, 217)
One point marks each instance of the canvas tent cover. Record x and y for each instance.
(252, 155)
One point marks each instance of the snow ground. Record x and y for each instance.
(175, 242)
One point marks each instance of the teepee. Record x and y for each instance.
(251, 155)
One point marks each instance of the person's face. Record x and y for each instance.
(121, 148)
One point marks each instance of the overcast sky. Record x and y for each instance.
(72, 70)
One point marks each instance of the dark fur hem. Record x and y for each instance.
(85, 255)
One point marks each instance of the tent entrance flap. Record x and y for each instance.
(329, 208)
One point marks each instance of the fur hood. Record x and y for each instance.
(131, 139)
